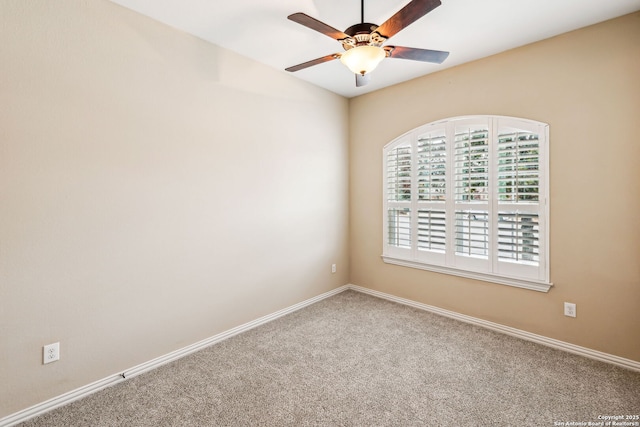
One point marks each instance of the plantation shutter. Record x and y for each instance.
(518, 237)
(432, 158)
(520, 217)
(399, 228)
(472, 233)
(471, 175)
(518, 167)
(432, 230)
(398, 182)
(399, 173)
(431, 163)
(468, 196)
(472, 164)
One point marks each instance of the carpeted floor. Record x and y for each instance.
(356, 360)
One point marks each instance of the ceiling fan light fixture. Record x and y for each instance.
(363, 59)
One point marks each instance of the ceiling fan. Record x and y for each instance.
(363, 42)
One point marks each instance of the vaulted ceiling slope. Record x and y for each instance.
(468, 29)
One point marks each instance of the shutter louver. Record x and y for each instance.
(518, 167)
(399, 220)
(432, 230)
(472, 165)
(472, 233)
(399, 173)
(518, 237)
(432, 158)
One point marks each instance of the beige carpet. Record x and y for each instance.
(356, 360)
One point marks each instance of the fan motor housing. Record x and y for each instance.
(363, 34)
(363, 28)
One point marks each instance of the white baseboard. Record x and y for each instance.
(84, 391)
(540, 339)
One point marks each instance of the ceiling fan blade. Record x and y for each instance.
(406, 16)
(415, 54)
(362, 80)
(314, 24)
(313, 62)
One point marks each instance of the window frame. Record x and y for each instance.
(494, 267)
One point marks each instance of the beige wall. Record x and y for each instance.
(586, 86)
(155, 190)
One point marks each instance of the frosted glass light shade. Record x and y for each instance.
(363, 59)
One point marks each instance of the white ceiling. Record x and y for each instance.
(469, 29)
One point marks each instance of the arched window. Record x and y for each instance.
(469, 196)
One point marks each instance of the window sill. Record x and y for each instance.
(533, 285)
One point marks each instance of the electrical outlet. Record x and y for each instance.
(569, 309)
(333, 268)
(51, 353)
